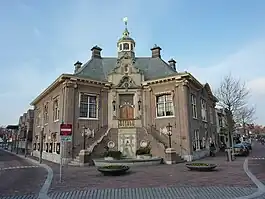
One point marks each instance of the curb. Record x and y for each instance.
(43, 194)
(260, 185)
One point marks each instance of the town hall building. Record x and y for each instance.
(124, 103)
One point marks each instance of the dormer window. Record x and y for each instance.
(126, 69)
(126, 46)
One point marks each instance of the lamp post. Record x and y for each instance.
(84, 137)
(139, 105)
(86, 134)
(169, 134)
(114, 105)
(41, 144)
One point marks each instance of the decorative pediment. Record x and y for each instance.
(127, 82)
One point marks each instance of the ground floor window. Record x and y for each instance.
(197, 143)
(50, 148)
(58, 148)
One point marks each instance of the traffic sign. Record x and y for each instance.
(66, 138)
(66, 129)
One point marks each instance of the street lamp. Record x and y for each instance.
(86, 134)
(114, 105)
(84, 137)
(139, 105)
(169, 133)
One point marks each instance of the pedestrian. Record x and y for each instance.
(212, 150)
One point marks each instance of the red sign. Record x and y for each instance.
(66, 129)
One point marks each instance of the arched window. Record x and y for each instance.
(126, 46)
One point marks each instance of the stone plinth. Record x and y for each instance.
(171, 156)
(84, 157)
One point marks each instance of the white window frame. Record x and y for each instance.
(97, 105)
(194, 106)
(46, 114)
(203, 110)
(56, 112)
(197, 139)
(164, 103)
(38, 118)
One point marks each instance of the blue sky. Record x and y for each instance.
(42, 39)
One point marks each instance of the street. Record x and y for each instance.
(19, 176)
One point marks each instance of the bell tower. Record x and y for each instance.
(126, 44)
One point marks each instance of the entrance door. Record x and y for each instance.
(127, 112)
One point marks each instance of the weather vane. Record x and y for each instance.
(125, 20)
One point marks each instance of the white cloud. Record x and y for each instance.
(248, 65)
(257, 86)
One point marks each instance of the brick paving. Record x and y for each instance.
(228, 174)
(156, 182)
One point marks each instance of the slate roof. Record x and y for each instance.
(99, 68)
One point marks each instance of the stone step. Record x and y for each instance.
(74, 164)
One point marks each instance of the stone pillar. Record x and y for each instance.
(84, 158)
(68, 112)
(171, 156)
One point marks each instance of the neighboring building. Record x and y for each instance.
(222, 128)
(26, 130)
(125, 102)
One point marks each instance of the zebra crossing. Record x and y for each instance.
(150, 193)
(258, 158)
(19, 167)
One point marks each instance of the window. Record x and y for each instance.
(45, 114)
(164, 105)
(220, 121)
(126, 46)
(194, 106)
(120, 47)
(203, 110)
(196, 142)
(126, 68)
(211, 115)
(88, 106)
(38, 118)
(56, 110)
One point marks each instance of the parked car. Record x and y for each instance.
(248, 145)
(241, 150)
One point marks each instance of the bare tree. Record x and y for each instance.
(233, 96)
(245, 116)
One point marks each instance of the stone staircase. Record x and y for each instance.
(102, 133)
(161, 140)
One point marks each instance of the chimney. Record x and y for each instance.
(96, 52)
(172, 63)
(156, 51)
(77, 65)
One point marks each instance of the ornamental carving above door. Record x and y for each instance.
(127, 112)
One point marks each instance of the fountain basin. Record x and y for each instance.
(127, 161)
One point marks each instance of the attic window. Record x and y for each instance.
(126, 69)
(126, 46)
